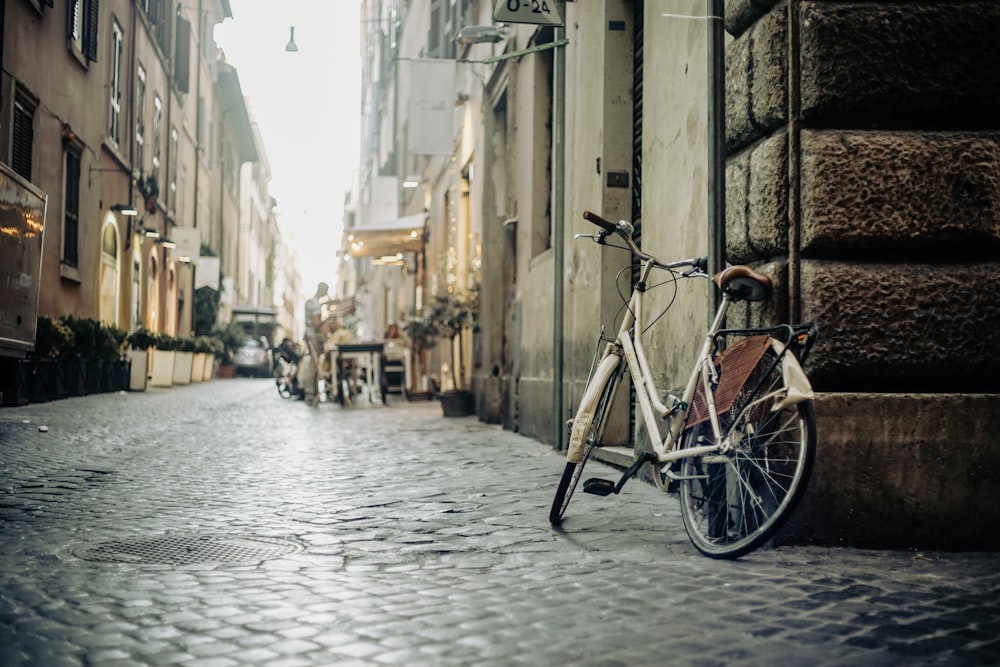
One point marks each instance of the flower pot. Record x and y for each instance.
(71, 377)
(137, 376)
(163, 368)
(227, 371)
(198, 367)
(456, 403)
(183, 364)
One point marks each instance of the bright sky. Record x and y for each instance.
(307, 106)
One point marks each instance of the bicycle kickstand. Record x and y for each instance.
(605, 487)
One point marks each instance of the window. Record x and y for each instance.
(108, 279)
(24, 137)
(71, 208)
(157, 131)
(157, 13)
(174, 161)
(140, 118)
(439, 43)
(114, 124)
(81, 27)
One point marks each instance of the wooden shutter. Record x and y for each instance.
(90, 37)
(182, 55)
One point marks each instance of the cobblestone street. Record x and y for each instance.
(217, 525)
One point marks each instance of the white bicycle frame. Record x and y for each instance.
(628, 344)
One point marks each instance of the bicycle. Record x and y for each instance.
(739, 441)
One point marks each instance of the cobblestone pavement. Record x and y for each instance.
(218, 525)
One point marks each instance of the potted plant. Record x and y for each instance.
(53, 340)
(111, 345)
(164, 348)
(204, 349)
(231, 338)
(183, 359)
(139, 343)
(422, 334)
(452, 313)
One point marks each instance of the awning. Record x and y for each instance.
(389, 237)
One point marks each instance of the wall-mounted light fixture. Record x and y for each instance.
(411, 181)
(480, 34)
(291, 47)
(166, 243)
(125, 209)
(147, 232)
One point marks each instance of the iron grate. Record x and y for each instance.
(189, 550)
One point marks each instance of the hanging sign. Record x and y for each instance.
(538, 12)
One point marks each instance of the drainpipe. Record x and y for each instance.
(558, 226)
(197, 117)
(716, 146)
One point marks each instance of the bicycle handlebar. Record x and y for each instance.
(623, 228)
(606, 225)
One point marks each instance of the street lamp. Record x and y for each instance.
(291, 42)
(480, 34)
(125, 209)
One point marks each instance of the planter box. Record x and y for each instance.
(14, 381)
(118, 374)
(43, 380)
(93, 376)
(163, 368)
(71, 377)
(227, 371)
(183, 363)
(198, 367)
(137, 375)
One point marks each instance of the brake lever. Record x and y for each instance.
(694, 273)
(599, 239)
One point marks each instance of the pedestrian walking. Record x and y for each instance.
(314, 343)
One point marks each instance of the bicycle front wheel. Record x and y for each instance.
(733, 502)
(593, 429)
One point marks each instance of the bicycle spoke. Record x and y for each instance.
(746, 493)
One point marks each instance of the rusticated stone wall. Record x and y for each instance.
(864, 175)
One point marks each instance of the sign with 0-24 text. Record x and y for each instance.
(539, 12)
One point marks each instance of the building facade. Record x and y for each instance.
(125, 114)
(857, 164)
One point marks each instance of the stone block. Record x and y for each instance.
(741, 14)
(893, 194)
(756, 82)
(903, 327)
(903, 471)
(900, 64)
(757, 202)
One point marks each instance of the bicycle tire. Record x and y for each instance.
(733, 503)
(594, 427)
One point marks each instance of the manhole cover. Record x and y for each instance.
(181, 550)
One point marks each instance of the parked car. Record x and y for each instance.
(253, 358)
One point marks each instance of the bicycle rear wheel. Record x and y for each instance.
(733, 502)
(593, 425)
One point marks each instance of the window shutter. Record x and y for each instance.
(71, 225)
(23, 140)
(182, 55)
(93, 19)
(71, 18)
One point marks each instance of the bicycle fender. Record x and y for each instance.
(797, 384)
(585, 413)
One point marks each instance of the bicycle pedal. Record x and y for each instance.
(599, 487)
